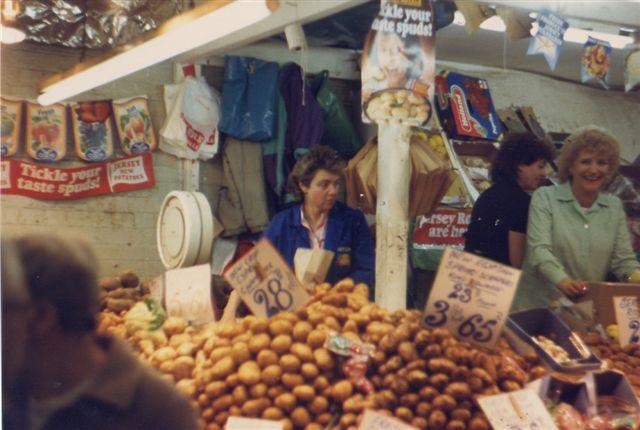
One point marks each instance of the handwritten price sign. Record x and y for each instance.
(518, 410)
(471, 297)
(188, 294)
(376, 421)
(265, 282)
(628, 318)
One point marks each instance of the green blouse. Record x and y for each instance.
(566, 240)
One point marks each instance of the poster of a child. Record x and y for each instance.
(398, 67)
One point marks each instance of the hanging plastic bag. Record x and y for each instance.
(339, 132)
(249, 98)
(193, 111)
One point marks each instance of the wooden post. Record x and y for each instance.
(392, 216)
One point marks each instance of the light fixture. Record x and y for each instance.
(203, 24)
(8, 32)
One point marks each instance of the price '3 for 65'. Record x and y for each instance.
(474, 327)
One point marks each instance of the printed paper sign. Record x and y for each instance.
(518, 410)
(265, 282)
(398, 63)
(471, 297)
(188, 294)
(628, 319)
(54, 183)
(445, 227)
(594, 62)
(11, 115)
(376, 421)
(238, 423)
(549, 38)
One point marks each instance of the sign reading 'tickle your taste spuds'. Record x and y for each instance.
(471, 297)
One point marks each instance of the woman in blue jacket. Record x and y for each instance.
(320, 221)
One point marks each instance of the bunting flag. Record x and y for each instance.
(594, 63)
(548, 39)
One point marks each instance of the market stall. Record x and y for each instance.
(254, 343)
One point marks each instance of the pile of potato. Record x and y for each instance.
(626, 360)
(119, 293)
(280, 369)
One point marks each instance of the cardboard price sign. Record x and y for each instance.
(518, 410)
(471, 297)
(188, 294)
(265, 282)
(628, 319)
(239, 423)
(376, 421)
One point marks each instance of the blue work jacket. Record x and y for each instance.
(348, 236)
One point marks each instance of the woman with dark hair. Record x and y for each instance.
(577, 233)
(498, 225)
(319, 221)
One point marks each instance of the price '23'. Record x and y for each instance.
(282, 299)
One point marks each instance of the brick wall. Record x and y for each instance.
(122, 227)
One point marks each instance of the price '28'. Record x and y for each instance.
(282, 299)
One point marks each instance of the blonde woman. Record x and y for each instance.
(576, 234)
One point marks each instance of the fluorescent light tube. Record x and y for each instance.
(176, 37)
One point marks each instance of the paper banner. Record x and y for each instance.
(398, 64)
(54, 183)
(594, 62)
(548, 39)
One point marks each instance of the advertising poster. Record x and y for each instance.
(594, 62)
(398, 64)
(548, 40)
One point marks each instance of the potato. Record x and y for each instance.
(219, 353)
(316, 338)
(304, 393)
(417, 378)
(428, 393)
(110, 283)
(444, 402)
(266, 357)
(441, 365)
(321, 382)
(301, 331)
(323, 359)
(163, 354)
(347, 420)
(437, 420)
(458, 390)
(439, 381)
(249, 373)
(455, 425)
(478, 423)
(257, 391)
(419, 422)
(318, 405)
(207, 414)
(290, 363)
(274, 392)
(254, 408)
(302, 351)
(222, 403)
(407, 351)
(272, 413)
(423, 409)
(281, 344)
(215, 389)
(286, 402)
(183, 367)
(404, 413)
(232, 381)
(287, 424)
(341, 390)
(280, 326)
(271, 375)
(300, 417)
(259, 342)
(240, 395)
(314, 426)
(309, 370)
(292, 380)
(258, 325)
(409, 400)
(460, 414)
(324, 418)
(223, 368)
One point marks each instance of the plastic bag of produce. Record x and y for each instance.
(249, 98)
(193, 111)
(146, 315)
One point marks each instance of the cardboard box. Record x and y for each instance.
(600, 296)
(465, 107)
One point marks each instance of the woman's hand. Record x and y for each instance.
(573, 289)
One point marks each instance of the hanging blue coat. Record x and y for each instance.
(348, 236)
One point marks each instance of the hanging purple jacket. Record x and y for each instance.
(305, 123)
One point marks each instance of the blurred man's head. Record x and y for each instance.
(16, 313)
(61, 278)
